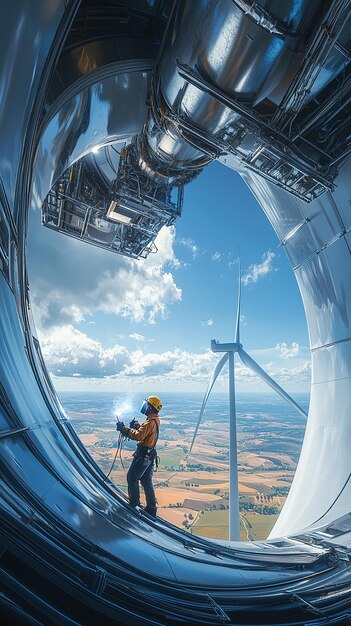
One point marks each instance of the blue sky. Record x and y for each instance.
(109, 323)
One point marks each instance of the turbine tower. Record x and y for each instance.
(229, 350)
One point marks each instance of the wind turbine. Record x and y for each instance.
(229, 350)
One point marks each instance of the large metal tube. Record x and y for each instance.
(221, 50)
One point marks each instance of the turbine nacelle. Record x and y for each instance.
(216, 346)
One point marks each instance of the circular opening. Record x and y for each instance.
(113, 329)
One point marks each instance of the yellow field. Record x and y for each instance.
(205, 471)
(251, 459)
(174, 515)
(245, 489)
(172, 495)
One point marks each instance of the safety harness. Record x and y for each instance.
(149, 453)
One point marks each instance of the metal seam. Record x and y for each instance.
(329, 243)
(332, 343)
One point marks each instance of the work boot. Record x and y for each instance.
(151, 510)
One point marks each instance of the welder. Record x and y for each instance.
(145, 456)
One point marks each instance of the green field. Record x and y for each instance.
(171, 458)
(214, 524)
(260, 525)
(260, 487)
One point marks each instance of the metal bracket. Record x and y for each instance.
(302, 180)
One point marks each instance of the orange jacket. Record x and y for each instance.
(146, 434)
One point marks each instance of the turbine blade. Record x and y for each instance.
(252, 365)
(216, 371)
(237, 325)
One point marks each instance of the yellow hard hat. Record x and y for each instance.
(155, 402)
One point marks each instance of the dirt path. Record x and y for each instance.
(246, 527)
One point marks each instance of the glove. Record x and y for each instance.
(134, 424)
(120, 427)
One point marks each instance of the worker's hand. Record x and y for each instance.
(134, 424)
(120, 427)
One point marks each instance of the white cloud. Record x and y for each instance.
(282, 375)
(216, 256)
(207, 322)
(69, 352)
(70, 280)
(151, 364)
(137, 337)
(286, 352)
(165, 249)
(300, 374)
(190, 245)
(257, 271)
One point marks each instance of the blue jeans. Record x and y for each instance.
(142, 470)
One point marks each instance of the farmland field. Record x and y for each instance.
(192, 491)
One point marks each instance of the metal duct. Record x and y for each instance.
(218, 87)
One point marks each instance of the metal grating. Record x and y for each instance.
(124, 218)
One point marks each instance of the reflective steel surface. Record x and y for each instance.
(320, 256)
(72, 549)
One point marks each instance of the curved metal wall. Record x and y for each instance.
(72, 548)
(319, 253)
